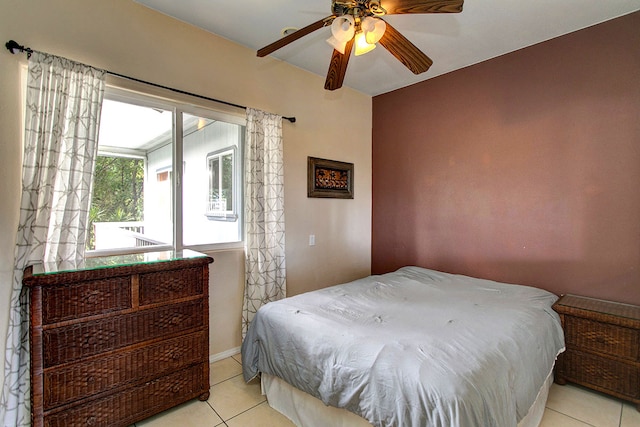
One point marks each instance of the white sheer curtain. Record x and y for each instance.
(64, 99)
(265, 273)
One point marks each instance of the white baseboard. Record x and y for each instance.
(224, 354)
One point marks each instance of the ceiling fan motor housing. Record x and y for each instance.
(357, 8)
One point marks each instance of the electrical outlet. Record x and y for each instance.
(312, 239)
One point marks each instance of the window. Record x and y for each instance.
(220, 205)
(141, 200)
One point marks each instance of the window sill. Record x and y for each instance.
(211, 247)
(227, 217)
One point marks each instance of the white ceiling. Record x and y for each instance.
(485, 29)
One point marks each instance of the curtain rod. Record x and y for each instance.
(13, 47)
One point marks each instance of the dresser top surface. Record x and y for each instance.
(568, 303)
(95, 263)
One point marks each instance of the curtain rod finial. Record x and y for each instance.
(13, 47)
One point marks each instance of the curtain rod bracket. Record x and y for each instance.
(13, 47)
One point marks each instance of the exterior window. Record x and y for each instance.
(220, 205)
(141, 201)
(164, 207)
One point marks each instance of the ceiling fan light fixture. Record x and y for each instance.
(361, 44)
(373, 29)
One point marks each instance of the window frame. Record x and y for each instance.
(121, 90)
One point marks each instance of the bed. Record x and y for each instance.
(415, 347)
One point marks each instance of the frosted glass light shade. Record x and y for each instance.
(362, 46)
(373, 29)
(338, 45)
(343, 28)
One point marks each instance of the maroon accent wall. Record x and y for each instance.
(523, 169)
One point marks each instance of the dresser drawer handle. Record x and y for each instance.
(92, 298)
(601, 340)
(175, 355)
(175, 286)
(175, 388)
(176, 320)
(90, 379)
(91, 340)
(91, 420)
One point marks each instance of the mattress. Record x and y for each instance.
(415, 347)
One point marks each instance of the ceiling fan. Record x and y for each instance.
(360, 22)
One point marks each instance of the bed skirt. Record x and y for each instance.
(305, 410)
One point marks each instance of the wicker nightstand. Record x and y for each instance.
(603, 346)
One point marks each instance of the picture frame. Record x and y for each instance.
(329, 178)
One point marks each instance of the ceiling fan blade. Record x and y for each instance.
(405, 51)
(338, 67)
(395, 7)
(294, 36)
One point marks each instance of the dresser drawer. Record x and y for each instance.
(73, 301)
(134, 404)
(170, 285)
(70, 343)
(612, 375)
(602, 338)
(64, 385)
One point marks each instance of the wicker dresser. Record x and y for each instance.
(603, 346)
(118, 340)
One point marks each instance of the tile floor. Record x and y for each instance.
(235, 404)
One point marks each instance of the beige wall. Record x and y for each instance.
(124, 37)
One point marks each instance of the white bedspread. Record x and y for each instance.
(415, 347)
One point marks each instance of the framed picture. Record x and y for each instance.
(329, 178)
